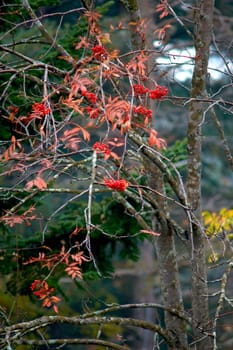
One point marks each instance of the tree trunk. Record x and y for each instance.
(167, 259)
(203, 18)
(144, 292)
(165, 245)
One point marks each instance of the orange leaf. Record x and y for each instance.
(163, 8)
(71, 132)
(13, 110)
(78, 258)
(114, 155)
(38, 182)
(79, 84)
(46, 302)
(74, 271)
(55, 308)
(11, 151)
(153, 140)
(85, 133)
(74, 104)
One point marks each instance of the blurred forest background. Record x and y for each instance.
(128, 276)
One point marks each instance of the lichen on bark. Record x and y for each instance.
(203, 20)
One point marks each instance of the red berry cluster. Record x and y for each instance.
(102, 148)
(118, 185)
(156, 94)
(90, 96)
(99, 52)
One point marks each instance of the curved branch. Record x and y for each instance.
(173, 311)
(63, 342)
(34, 63)
(151, 154)
(11, 334)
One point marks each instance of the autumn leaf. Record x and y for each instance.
(71, 132)
(74, 104)
(79, 84)
(11, 219)
(115, 142)
(85, 133)
(13, 111)
(55, 308)
(37, 182)
(117, 113)
(40, 183)
(114, 155)
(74, 271)
(162, 33)
(138, 65)
(155, 141)
(70, 137)
(79, 258)
(42, 291)
(162, 8)
(83, 43)
(15, 150)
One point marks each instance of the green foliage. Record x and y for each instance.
(108, 230)
(35, 4)
(177, 153)
(176, 159)
(13, 13)
(121, 241)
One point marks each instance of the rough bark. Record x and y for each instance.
(144, 292)
(167, 260)
(144, 283)
(165, 245)
(203, 19)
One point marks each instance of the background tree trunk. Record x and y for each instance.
(167, 260)
(203, 21)
(144, 292)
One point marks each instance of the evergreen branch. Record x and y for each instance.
(60, 49)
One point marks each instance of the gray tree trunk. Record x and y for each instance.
(203, 21)
(165, 245)
(168, 268)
